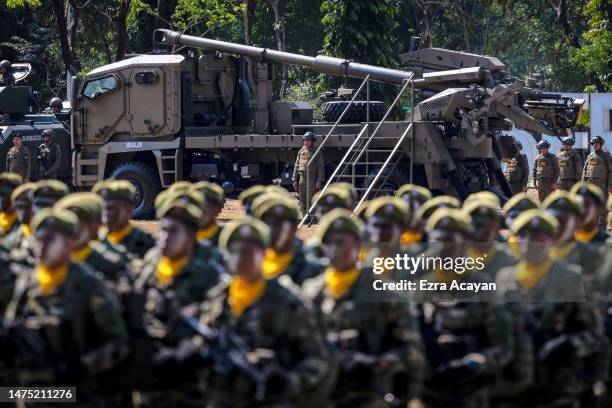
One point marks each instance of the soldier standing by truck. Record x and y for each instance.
(306, 184)
(18, 158)
(569, 165)
(545, 171)
(598, 170)
(49, 157)
(517, 171)
(6, 78)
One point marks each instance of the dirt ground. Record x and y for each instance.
(232, 210)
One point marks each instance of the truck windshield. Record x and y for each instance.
(98, 87)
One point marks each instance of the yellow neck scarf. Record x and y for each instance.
(27, 230)
(486, 256)
(7, 220)
(529, 274)
(274, 263)
(81, 255)
(49, 279)
(586, 236)
(339, 282)
(410, 237)
(116, 237)
(208, 232)
(514, 246)
(243, 294)
(168, 268)
(562, 251)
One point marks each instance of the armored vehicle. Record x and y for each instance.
(19, 113)
(156, 119)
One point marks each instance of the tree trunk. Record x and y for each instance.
(465, 19)
(561, 12)
(121, 27)
(248, 16)
(72, 15)
(62, 31)
(426, 34)
(279, 32)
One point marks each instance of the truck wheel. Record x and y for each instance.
(146, 181)
(356, 113)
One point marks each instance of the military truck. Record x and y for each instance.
(19, 113)
(156, 119)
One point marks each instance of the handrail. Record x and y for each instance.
(329, 181)
(338, 120)
(316, 153)
(391, 155)
(397, 98)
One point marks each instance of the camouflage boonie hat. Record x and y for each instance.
(389, 207)
(520, 202)
(191, 196)
(587, 189)
(610, 203)
(179, 186)
(278, 207)
(273, 188)
(23, 193)
(333, 197)
(87, 206)
(348, 187)
(48, 192)
(414, 192)
(443, 201)
(250, 194)
(262, 199)
(115, 190)
(341, 221)
(449, 219)
(483, 195)
(535, 220)
(212, 192)
(9, 182)
(185, 211)
(62, 221)
(486, 207)
(560, 200)
(361, 211)
(249, 229)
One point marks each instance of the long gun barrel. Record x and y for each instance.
(320, 63)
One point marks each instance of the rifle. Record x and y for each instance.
(225, 352)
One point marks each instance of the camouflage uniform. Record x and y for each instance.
(570, 168)
(598, 170)
(517, 172)
(317, 173)
(8, 216)
(545, 174)
(363, 333)
(78, 322)
(565, 332)
(50, 158)
(280, 328)
(19, 161)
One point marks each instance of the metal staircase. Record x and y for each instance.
(364, 165)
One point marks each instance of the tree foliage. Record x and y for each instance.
(566, 44)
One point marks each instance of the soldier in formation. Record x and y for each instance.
(545, 171)
(308, 179)
(517, 171)
(18, 159)
(256, 318)
(49, 157)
